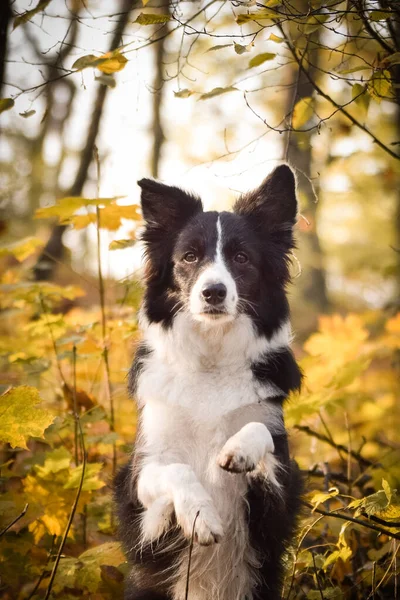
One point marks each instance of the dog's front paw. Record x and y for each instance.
(156, 519)
(235, 459)
(200, 519)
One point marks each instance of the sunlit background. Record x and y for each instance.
(217, 147)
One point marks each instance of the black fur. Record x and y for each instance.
(280, 369)
(142, 352)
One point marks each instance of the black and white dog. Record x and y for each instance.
(210, 377)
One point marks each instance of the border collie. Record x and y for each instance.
(211, 462)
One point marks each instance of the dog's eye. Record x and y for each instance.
(190, 257)
(241, 258)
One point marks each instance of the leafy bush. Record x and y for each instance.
(66, 421)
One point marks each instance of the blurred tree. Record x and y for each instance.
(53, 251)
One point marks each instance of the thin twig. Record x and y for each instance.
(103, 316)
(190, 557)
(366, 524)
(71, 518)
(332, 101)
(76, 417)
(21, 514)
(323, 438)
(317, 577)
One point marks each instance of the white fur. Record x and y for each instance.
(247, 448)
(217, 272)
(199, 401)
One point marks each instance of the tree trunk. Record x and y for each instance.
(312, 284)
(54, 250)
(158, 87)
(5, 18)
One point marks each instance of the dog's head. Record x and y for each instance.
(216, 266)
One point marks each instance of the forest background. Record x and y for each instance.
(209, 96)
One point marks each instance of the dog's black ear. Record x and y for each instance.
(274, 202)
(166, 206)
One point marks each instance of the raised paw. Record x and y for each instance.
(156, 519)
(235, 460)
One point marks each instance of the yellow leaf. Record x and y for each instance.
(387, 490)
(275, 38)
(260, 59)
(20, 418)
(262, 15)
(121, 244)
(302, 112)
(108, 63)
(110, 217)
(66, 207)
(183, 93)
(112, 62)
(21, 249)
(318, 498)
(339, 339)
(152, 19)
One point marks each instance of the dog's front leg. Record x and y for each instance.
(163, 489)
(249, 449)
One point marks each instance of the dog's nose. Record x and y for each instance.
(214, 294)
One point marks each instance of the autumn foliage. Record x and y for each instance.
(66, 422)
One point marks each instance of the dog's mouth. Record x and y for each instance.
(214, 312)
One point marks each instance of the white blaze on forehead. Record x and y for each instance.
(216, 272)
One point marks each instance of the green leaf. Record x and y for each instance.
(183, 93)
(91, 479)
(21, 249)
(217, 92)
(379, 86)
(218, 47)
(6, 104)
(302, 112)
(379, 15)
(20, 418)
(109, 554)
(152, 19)
(240, 49)
(360, 95)
(260, 59)
(121, 244)
(262, 15)
(27, 16)
(89, 60)
(57, 460)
